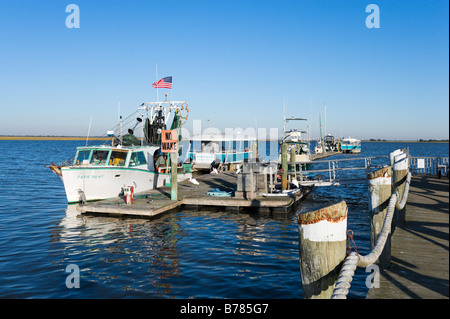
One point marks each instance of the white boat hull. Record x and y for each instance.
(102, 183)
(353, 151)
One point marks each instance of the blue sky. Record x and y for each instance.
(234, 61)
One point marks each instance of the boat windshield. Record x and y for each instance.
(82, 156)
(99, 157)
(137, 158)
(350, 142)
(118, 158)
(103, 157)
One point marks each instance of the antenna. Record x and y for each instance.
(89, 131)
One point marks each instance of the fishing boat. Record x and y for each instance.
(125, 162)
(297, 139)
(351, 145)
(208, 151)
(331, 145)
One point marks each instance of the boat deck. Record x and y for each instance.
(157, 201)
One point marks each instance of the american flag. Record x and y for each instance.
(165, 83)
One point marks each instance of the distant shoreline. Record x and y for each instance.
(52, 138)
(404, 141)
(94, 138)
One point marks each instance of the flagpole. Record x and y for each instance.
(157, 96)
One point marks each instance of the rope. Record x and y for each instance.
(372, 257)
(354, 259)
(402, 203)
(345, 276)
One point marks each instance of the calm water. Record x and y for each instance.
(185, 254)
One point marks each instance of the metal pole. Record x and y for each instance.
(174, 179)
(284, 166)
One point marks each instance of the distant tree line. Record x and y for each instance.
(433, 140)
(420, 140)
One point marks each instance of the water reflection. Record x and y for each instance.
(126, 254)
(181, 254)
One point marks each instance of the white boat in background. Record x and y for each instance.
(318, 149)
(104, 171)
(297, 139)
(331, 145)
(210, 150)
(351, 145)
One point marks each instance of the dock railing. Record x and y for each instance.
(437, 166)
(335, 172)
(355, 170)
(327, 263)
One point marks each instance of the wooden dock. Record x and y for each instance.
(315, 157)
(420, 248)
(157, 201)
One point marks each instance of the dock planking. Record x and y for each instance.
(157, 201)
(420, 246)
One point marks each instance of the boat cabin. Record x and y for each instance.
(218, 147)
(117, 157)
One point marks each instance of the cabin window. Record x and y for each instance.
(99, 157)
(82, 156)
(137, 158)
(118, 158)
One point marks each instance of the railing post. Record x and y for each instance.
(380, 184)
(322, 248)
(400, 170)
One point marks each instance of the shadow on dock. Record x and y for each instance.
(420, 247)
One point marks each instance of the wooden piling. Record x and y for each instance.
(380, 183)
(322, 249)
(255, 149)
(400, 170)
(284, 166)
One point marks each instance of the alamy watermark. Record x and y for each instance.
(373, 19)
(373, 279)
(73, 19)
(73, 279)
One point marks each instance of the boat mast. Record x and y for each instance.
(320, 131)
